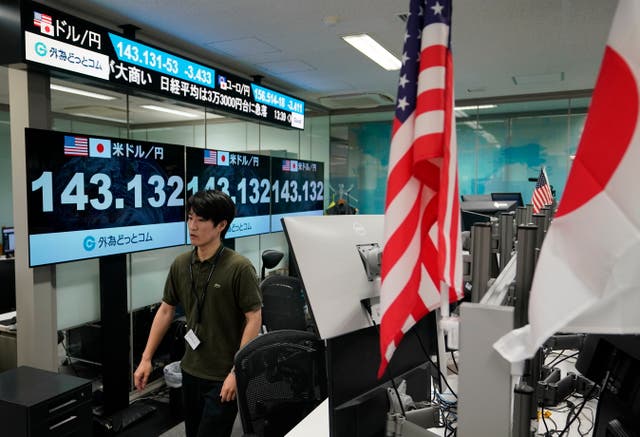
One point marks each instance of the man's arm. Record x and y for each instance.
(252, 326)
(253, 323)
(159, 327)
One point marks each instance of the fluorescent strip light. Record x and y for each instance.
(170, 111)
(79, 92)
(98, 117)
(373, 50)
(464, 108)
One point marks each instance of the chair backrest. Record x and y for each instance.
(281, 378)
(283, 304)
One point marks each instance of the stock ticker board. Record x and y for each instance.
(54, 39)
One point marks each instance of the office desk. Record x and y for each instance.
(8, 344)
(316, 424)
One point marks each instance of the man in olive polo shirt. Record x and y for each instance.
(218, 289)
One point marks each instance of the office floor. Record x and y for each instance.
(165, 421)
(178, 430)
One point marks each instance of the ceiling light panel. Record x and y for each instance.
(79, 92)
(170, 111)
(374, 51)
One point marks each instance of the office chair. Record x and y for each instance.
(283, 304)
(270, 259)
(281, 378)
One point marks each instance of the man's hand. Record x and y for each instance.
(228, 392)
(141, 375)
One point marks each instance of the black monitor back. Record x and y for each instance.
(469, 218)
(7, 285)
(616, 359)
(358, 401)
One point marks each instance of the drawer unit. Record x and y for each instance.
(38, 403)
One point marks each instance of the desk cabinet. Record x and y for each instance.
(38, 403)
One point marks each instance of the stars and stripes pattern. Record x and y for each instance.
(542, 195)
(40, 19)
(76, 146)
(422, 253)
(210, 157)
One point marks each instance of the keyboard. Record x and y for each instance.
(7, 322)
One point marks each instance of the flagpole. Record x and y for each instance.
(445, 325)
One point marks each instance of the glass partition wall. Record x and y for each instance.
(502, 145)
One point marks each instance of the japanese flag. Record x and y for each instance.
(585, 280)
(99, 148)
(223, 158)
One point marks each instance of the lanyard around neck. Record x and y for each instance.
(200, 300)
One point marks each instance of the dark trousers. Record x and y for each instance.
(204, 414)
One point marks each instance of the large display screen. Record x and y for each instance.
(242, 176)
(90, 196)
(297, 188)
(58, 40)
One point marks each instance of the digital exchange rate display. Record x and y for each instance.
(264, 189)
(297, 188)
(90, 196)
(54, 39)
(244, 177)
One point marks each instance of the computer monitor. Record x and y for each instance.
(489, 207)
(469, 218)
(325, 251)
(358, 401)
(613, 362)
(8, 241)
(474, 197)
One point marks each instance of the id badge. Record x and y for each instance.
(192, 339)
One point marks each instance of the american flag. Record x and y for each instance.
(422, 254)
(286, 165)
(39, 19)
(210, 157)
(76, 146)
(542, 193)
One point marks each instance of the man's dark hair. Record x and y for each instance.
(213, 205)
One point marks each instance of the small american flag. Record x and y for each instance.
(542, 195)
(286, 165)
(44, 22)
(76, 146)
(422, 253)
(39, 19)
(210, 157)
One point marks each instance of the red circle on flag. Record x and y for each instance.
(47, 29)
(607, 133)
(100, 148)
(223, 158)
